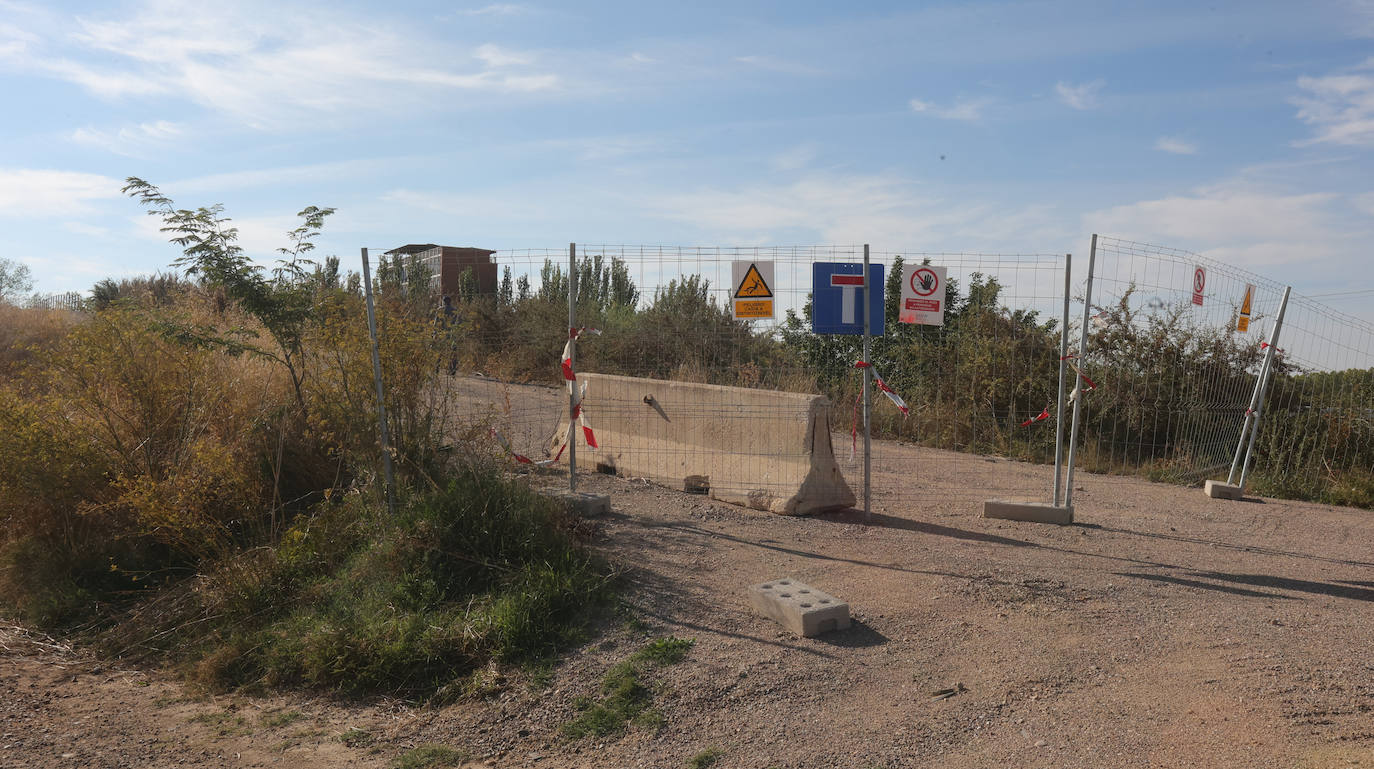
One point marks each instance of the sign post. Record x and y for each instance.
(923, 295)
(752, 296)
(1199, 283)
(868, 378)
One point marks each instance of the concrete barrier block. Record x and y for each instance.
(1219, 490)
(759, 448)
(585, 504)
(1034, 512)
(799, 607)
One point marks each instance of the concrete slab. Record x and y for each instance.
(1034, 512)
(763, 449)
(585, 504)
(799, 607)
(1219, 490)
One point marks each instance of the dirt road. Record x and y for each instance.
(1165, 629)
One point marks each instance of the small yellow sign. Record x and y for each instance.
(753, 286)
(752, 297)
(757, 308)
(1243, 324)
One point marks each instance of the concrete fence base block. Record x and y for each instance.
(1219, 490)
(799, 607)
(1034, 512)
(585, 504)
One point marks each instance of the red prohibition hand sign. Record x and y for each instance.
(1199, 280)
(924, 282)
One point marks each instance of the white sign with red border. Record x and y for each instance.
(1199, 283)
(923, 295)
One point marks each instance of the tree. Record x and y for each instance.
(282, 303)
(15, 280)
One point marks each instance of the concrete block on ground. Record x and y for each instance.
(799, 607)
(585, 504)
(1219, 490)
(763, 449)
(1034, 512)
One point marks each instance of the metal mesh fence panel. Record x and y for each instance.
(1174, 374)
(975, 384)
(1316, 434)
(1176, 348)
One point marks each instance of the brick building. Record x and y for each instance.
(447, 263)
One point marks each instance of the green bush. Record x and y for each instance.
(479, 571)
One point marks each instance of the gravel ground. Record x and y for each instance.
(1164, 629)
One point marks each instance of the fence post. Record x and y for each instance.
(377, 377)
(1077, 380)
(1266, 374)
(572, 362)
(1245, 424)
(1063, 364)
(868, 376)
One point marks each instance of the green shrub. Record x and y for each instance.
(478, 571)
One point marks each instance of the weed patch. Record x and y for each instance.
(429, 757)
(625, 698)
(704, 759)
(280, 718)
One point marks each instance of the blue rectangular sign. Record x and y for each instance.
(837, 298)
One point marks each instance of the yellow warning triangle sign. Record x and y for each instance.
(753, 285)
(1243, 322)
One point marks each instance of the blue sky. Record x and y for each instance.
(1244, 131)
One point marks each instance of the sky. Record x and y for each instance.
(1242, 131)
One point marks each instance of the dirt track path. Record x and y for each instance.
(1164, 630)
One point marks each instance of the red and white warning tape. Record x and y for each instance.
(1040, 418)
(888, 391)
(570, 376)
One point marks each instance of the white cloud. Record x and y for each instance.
(968, 110)
(131, 141)
(882, 209)
(1082, 96)
(89, 230)
(497, 9)
(1175, 146)
(1244, 224)
(496, 56)
(795, 158)
(266, 65)
(1339, 107)
(42, 192)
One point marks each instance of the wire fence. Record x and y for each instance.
(984, 382)
(1178, 343)
(70, 300)
(1166, 379)
(1316, 435)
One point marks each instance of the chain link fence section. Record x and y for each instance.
(1316, 433)
(984, 382)
(1174, 373)
(1176, 370)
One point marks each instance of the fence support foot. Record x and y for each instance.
(1034, 512)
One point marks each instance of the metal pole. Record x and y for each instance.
(1077, 381)
(572, 361)
(868, 377)
(1063, 365)
(1264, 386)
(1247, 423)
(377, 377)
